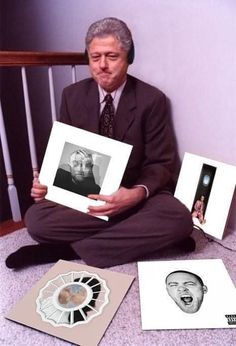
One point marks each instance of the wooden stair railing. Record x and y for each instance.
(24, 59)
(21, 58)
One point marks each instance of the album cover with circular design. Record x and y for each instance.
(73, 302)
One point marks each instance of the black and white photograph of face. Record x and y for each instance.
(79, 163)
(72, 298)
(186, 289)
(185, 294)
(81, 170)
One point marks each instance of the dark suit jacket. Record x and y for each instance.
(142, 120)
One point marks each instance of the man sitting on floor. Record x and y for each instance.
(144, 216)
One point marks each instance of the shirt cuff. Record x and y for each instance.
(145, 188)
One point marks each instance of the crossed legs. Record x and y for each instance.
(160, 222)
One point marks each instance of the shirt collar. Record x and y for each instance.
(116, 94)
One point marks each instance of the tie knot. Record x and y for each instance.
(108, 98)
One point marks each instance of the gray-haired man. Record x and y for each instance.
(144, 217)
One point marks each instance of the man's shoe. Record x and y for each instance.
(187, 245)
(40, 254)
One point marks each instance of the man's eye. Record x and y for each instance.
(113, 57)
(172, 284)
(95, 57)
(77, 163)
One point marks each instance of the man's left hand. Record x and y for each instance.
(121, 200)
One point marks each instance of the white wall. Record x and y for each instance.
(185, 47)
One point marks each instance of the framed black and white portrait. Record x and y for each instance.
(207, 187)
(78, 163)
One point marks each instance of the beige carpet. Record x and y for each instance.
(125, 328)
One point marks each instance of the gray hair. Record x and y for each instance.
(110, 26)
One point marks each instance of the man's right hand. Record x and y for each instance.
(38, 191)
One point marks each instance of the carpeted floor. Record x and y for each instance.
(125, 328)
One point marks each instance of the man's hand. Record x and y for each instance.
(121, 200)
(38, 191)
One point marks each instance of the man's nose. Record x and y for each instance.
(182, 288)
(103, 62)
(79, 167)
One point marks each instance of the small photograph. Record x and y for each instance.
(206, 187)
(186, 294)
(81, 170)
(203, 191)
(72, 298)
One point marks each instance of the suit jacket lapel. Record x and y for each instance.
(92, 108)
(125, 111)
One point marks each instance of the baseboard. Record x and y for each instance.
(10, 226)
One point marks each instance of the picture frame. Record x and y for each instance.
(73, 302)
(186, 294)
(206, 187)
(103, 161)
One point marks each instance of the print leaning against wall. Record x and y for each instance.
(207, 187)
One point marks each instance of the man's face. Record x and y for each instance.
(108, 62)
(81, 168)
(186, 291)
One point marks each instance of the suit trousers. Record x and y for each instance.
(159, 222)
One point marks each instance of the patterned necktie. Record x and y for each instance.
(107, 117)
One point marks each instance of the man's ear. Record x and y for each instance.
(205, 289)
(86, 56)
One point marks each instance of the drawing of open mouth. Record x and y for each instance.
(186, 299)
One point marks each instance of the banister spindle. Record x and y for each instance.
(73, 71)
(12, 191)
(52, 94)
(29, 123)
